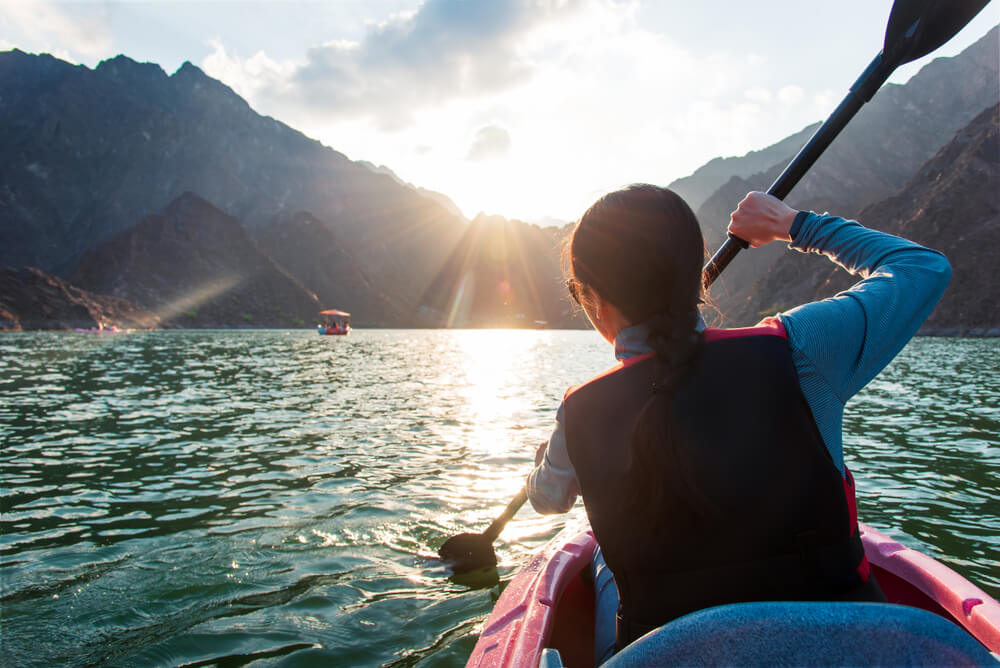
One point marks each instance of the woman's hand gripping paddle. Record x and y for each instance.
(915, 28)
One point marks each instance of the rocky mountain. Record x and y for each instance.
(502, 273)
(84, 154)
(33, 299)
(873, 158)
(194, 266)
(951, 204)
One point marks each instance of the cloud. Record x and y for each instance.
(445, 50)
(491, 141)
(246, 76)
(73, 32)
(790, 95)
(594, 94)
(758, 94)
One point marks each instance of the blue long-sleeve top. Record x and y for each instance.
(838, 344)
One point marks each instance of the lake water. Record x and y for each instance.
(277, 497)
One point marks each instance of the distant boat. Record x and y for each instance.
(335, 323)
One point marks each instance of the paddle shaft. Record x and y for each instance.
(860, 93)
(493, 530)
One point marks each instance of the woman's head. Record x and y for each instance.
(640, 249)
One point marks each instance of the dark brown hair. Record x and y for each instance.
(641, 249)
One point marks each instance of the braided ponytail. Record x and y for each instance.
(641, 249)
(657, 444)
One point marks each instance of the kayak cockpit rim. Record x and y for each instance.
(548, 605)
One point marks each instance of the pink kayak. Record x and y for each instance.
(545, 617)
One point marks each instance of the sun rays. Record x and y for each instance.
(500, 274)
(193, 299)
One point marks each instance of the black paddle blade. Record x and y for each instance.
(468, 552)
(917, 27)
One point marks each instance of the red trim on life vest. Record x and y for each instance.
(607, 372)
(635, 359)
(852, 502)
(766, 327)
(863, 569)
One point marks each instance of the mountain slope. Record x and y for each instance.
(891, 137)
(194, 266)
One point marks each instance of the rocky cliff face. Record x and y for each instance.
(194, 266)
(33, 299)
(952, 204)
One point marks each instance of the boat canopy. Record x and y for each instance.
(335, 312)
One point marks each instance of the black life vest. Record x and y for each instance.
(772, 519)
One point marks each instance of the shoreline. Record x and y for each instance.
(928, 332)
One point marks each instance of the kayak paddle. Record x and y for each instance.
(915, 28)
(471, 551)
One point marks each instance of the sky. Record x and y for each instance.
(530, 109)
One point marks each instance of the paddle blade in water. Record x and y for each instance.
(468, 552)
(917, 27)
(479, 578)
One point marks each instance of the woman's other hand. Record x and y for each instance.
(761, 218)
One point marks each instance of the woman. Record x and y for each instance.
(710, 461)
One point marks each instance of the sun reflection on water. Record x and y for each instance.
(493, 361)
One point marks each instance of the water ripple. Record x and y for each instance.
(197, 498)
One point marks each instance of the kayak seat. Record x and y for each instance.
(806, 634)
